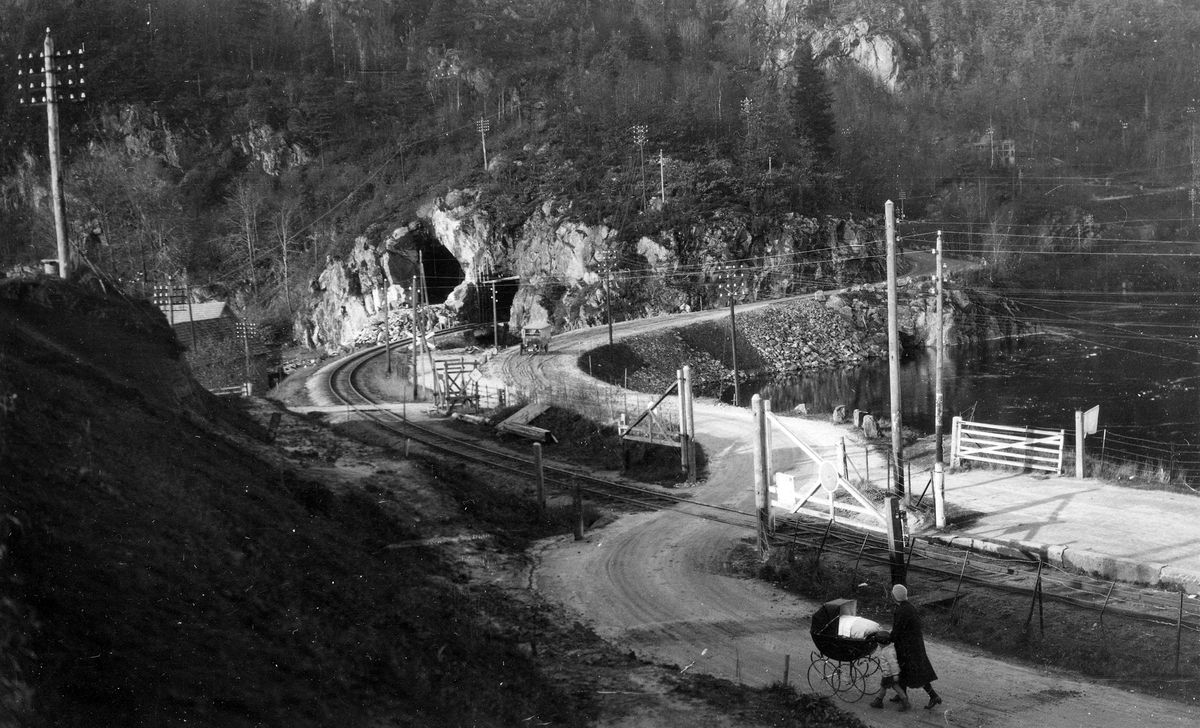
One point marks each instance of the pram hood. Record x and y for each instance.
(825, 619)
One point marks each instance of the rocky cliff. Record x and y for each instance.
(562, 263)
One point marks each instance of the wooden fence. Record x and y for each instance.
(1016, 447)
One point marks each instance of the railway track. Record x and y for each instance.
(342, 385)
(947, 568)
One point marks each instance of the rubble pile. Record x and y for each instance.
(805, 335)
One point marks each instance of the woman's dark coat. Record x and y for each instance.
(915, 670)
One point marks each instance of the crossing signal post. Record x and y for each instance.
(62, 80)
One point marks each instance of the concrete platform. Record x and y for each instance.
(1112, 531)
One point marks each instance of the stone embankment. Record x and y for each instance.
(825, 331)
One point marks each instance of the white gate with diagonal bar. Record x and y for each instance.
(1016, 447)
(819, 499)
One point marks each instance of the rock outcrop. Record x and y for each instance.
(561, 265)
(878, 55)
(969, 316)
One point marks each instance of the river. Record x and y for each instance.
(1134, 356)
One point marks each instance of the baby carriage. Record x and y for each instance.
(844, 665)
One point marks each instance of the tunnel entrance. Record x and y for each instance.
(442, 270)
(478, 307)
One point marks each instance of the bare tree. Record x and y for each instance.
(285, 223)
(246, 204)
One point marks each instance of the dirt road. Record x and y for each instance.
(653, 583)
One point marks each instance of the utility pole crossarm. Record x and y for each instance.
(62, 81)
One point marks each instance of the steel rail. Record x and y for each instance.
(1009, 574)
(342, 384)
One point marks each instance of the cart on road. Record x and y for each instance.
(535, 339)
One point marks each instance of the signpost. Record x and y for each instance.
(1085, 424)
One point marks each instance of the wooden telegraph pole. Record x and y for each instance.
(733, 285)
(54, 90)
(415, 366)
(483, 125)
(939, 474)
(894, 356)
(387, 318)
(762, 472)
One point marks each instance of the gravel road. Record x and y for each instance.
(654, 583)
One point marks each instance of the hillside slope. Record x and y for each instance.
(160, 572)
(163, 566)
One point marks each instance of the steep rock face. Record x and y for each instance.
(349, 296)
(555, 253)
(560, 263)
(465, 230)
(879, 55)
(271, 149)
(551, 253)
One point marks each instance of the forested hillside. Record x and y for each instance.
(244, 141)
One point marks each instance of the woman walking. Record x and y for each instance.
(915, 669)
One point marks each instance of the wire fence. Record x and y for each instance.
(953, 572)
(1118, 456)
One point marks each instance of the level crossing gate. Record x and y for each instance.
(829, 496)
(1016, 447)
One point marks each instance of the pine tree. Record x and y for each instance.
(812, 104)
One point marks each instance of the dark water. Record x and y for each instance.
(1138, 358)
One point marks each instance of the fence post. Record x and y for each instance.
(1037, 591)
(787, 664)
(1105, 605)
(578, 512)
(961, 574)
(683, 431)
(691, 423)
(841, 459)
(821, 548)
(1079, 444)
(854, 576)
(541, 476)
(1178, 633)
(955, 428)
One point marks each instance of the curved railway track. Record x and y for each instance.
(942, 564)
(342, 384)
